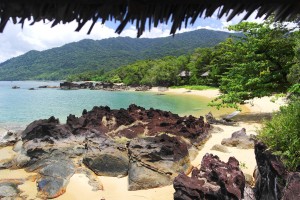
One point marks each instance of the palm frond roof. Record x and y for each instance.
(142, 13)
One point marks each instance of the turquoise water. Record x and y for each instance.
(19, 107)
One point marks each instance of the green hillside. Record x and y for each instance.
(107, 54)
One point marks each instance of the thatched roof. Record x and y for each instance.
(140, 12)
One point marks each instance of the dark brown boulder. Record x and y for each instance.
(45, 128)
(214, 180)
(156, 161)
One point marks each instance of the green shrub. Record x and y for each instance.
(282, 134)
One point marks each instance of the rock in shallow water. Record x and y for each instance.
(215, 180)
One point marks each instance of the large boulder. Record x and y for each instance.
(239, 139)
(215, 180)
(156, 161)
(55, 173)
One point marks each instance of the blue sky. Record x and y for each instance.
(16, 41)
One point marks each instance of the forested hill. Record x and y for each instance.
(86, 55)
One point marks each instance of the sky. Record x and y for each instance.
(16, 41)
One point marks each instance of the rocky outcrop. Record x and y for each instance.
(156, 161)
(239, 139)
(68, 86)
(110, 143)
(137, 121)
(215, 180)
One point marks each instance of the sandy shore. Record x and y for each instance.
(211, 93)
(116, 188)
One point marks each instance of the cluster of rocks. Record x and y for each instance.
(150, 146)
(214, 180)
(101, 86)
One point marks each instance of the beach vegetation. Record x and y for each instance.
(258, 65)
(282, 134)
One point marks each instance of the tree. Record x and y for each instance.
(256, 64)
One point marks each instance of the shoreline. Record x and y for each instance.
(116, 188)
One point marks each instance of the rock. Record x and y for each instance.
(43, 86)
(8, 190)
(136, 121)
(86, 85)
(156, 161)
(69, 86)
(212, 120)
(151, 159)
(105, 158)
(221, 148)
(214, 180)
(239, 139)
(45, 129)
(292, 188)
(55, 175)
(271, 174)
(15, 87)
(8, 139)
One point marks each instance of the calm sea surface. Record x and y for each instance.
(19, 107)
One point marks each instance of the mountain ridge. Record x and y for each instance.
(88, 54)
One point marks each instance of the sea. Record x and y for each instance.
(20, 107)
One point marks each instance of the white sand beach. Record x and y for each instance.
(116, 188)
